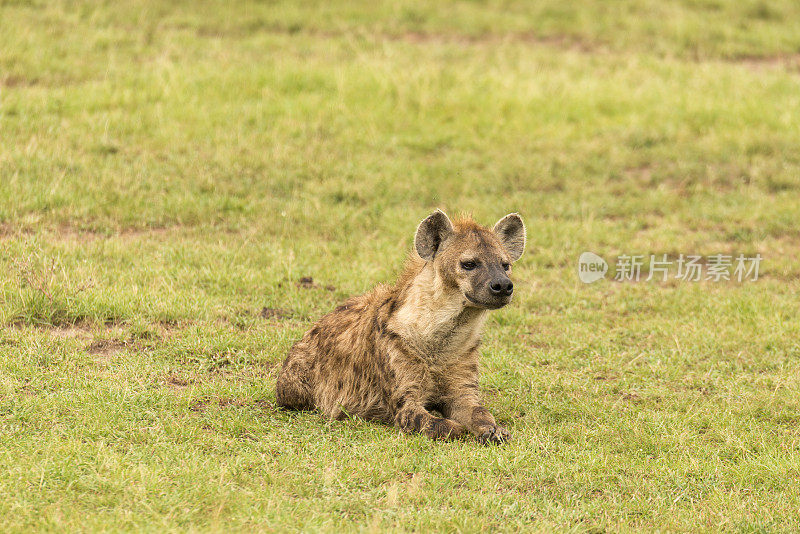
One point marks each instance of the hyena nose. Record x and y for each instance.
(501, 287)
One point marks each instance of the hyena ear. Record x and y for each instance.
(431, 233)
(511, 231)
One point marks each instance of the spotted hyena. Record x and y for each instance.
(400, 351)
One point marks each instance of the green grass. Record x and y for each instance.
(169, 170)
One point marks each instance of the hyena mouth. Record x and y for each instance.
(493, 305)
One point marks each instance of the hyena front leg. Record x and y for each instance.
(463, 405)
(407, 403)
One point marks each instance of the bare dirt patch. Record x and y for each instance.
(564, 41)
(231, 401)
(561, 41)
(89, 233)
(70, 332)
(106, 348)
(307, 282)
(789, 62)
(167, 328)
(274, 313)
(86, 231)
(178, 382)
(8, 230)
(12, 81)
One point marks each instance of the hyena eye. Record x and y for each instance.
(468, 265)
(506, 266)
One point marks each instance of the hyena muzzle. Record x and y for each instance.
(402, 351)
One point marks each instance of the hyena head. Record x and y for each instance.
(473, 259)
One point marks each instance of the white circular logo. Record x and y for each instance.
(591, 267)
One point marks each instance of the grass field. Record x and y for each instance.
(169, 172)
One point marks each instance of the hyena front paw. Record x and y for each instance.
(493, 435)
(433, 427)
(440, 428)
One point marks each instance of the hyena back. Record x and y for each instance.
(400, 351)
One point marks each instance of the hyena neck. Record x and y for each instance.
(432, 317)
